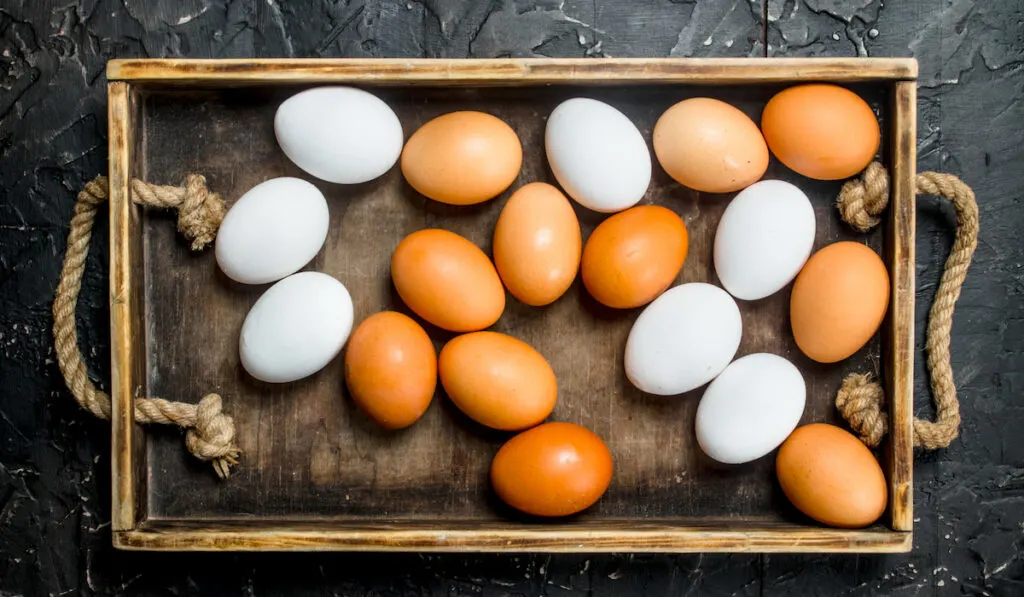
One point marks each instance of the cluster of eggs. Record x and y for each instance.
(684, 338)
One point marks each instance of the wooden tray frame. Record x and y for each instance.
(132, 531)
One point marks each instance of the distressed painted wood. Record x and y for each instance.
(311, 457)
(900, 337)
(556, 538)
(512, 72)
(124, 319)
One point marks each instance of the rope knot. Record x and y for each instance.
(212, 437)
(200, 212)
(860, 402)
(862, 199)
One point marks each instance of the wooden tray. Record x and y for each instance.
(315, 473)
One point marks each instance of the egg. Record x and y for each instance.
(597, 155)
(273, 230)
(497, 380)
(391, 369)
(447, 280)
(820, 130)
(829, 475)
(710, 146)
(555, 469)
(763, 239)
(295, 328)
(683, 340)
(839, 300)
(462, 158)
(750, 408)
(537, 244)
(339, 134)
(633, 256)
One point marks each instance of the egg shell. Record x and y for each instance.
(447, 280)
(273, 230)
(295, 328)
(537, 244)
(750, 408)
(391, 369)
(634, 255)
(683, 339)
(497, 380)
(763, 239)
(829, 475)
(462, 158)
(839, 301)
(710, 146)
(597, 155)
(820, 130)
(339, 134)
(555, 469)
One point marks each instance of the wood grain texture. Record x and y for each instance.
(603, 537)
(311, 456)
(124, 264)
(899, 345)
(512, 72)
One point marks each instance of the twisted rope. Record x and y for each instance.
(860, 400)
(209, 433)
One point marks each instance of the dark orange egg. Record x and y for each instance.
(555, 469)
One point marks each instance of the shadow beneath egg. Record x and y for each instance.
(462, 421)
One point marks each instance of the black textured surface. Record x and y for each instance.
(54, 459)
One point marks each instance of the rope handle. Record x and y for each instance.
(860, 399)
(209, 432)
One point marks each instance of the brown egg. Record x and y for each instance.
(537, 244)
(710, 146)
(831, 476)
(821, 131)
(497, 380)
(462, 158)
(447, 280)
(391, 369)
(555, 469)
(839, 301)
(634, 256)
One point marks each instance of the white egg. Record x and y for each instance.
(597, 154)
(750, 409)
(339, 134)
(273, 230)
(296, 328)
(683, 339)
(763, 239)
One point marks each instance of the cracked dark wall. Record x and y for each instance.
(54, 462)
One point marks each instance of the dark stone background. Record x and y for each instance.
(54, 459)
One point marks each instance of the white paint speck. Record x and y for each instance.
(872, 33)
(941, 583)
(728, 43)
(835, 36)
(582, 39)
(707, 42)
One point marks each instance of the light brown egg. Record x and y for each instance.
(710, 146)
(821, 131)
(829, 475)
(447, 280)
(497, 380)
(462, 158)
(555, 469)
(839, 301)
(634, 256)
(391, 369)
(537, 244)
